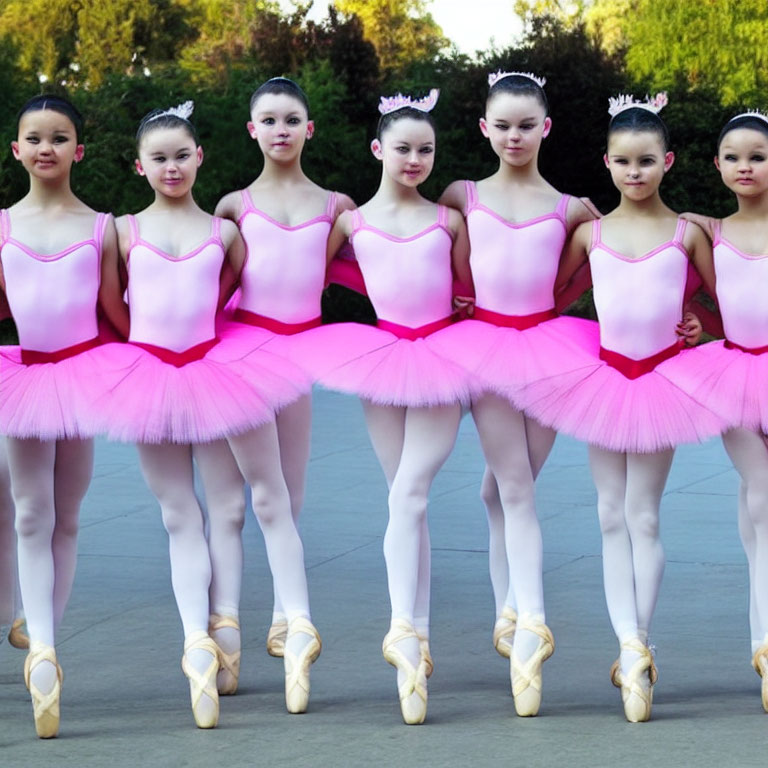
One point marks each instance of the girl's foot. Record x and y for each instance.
(43, 676)
(525, 668)
(302, 647)
(635, 673)
(225, 631)
(200, 664)
(276, 635)
(402, 649)
(504, 631)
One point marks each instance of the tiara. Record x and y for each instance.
(494, 77)
(751, 113)
(624, 101)
(184, 111)
(398, 101)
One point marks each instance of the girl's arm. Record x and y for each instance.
(463, 288)
(341, 230)
(111, 288)
(574, 255)
(233, 262)
(699, 249)
(229, 207)
(343, 203)
(454, 196)
(707, 223)
(579, 211)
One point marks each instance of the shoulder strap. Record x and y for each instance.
(470, 191)
(99, 228)
(330, 206)
(133, 226)
(5, 226)
(442, 216)
(216, 228)
(595, 233)
(717, 228)
(680, 231)
(562, 207)
(357, 221)
(247, 200)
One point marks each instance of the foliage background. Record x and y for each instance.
(117, 59)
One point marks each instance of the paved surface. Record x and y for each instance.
(125, 700)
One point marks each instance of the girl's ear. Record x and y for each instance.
(139, 167)
(310, 128)
(483, 126)
(376, 149)
(669, 160)
(251, 129)
(15, 149)
(606, 161)
(717, 162)
(547, 127)
(79, 152)
(199, 156)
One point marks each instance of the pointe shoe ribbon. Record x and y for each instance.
(276, 638)
(45, 706)
(526, 675)
(413, 711)
(504, 631)
(426, 655)
(637, 698)
(202, 683)
(229, 672)
(297, 666)
(760, 664)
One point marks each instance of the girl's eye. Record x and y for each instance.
(620, 161)
(159, 159)
(526, 127)
(501, 126)
(183, 156)
(757, 158)
(293, 121)
(730, 158)
(647, 161)
(402, 150)
(426, 150)
(268, 121)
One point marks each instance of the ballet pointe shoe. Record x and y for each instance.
(45, 706)
(413, 691)
(202, 683)
(760, 664)
(526, 675)
(504, 631)
(229, 663)
(297, 666)
(17, 637)
(426, 655)
(276, 638)
(637, 698)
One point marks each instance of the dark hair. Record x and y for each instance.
(57, 104)
(158, 118)
(641, 120)
(385, 121)
(752, 122)
(518, 85)
(280, 85)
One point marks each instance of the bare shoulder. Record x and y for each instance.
(455, 195)
(229, 231)
(343, 203)
(229, 206)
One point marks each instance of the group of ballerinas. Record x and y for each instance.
(222, 318)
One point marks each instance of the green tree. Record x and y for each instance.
(401, 30)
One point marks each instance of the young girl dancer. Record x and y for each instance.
(518, 224)
(285, 219)
(730, 377)
(178, 389)
(623, 405)
(51, 245)
(405, 246)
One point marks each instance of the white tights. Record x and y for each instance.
(8, 574)
(411, 445)
(48, 482)
(629, 489)
(748, 452)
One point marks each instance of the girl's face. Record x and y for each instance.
(407, 151)
(280, 125)
(47, 144)
(169, 158)
(743, 161)
(637, 163)
(515, 124)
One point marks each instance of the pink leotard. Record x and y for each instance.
(639, 301)
(409, 279)
(52, 297)
(173, 301)
(741, 285)
(284, 272)
(514, 266)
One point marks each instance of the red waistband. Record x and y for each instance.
(633, 369)
(748, 350)
(179, 359)
(520, 322)
(32, 357)
(286, 329)
(405, 332)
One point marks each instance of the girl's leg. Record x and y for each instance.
(72, 476)
(8, 572)
(169, 474)
(749, 542)
(749, 455)
(294, 432)
(225, 501)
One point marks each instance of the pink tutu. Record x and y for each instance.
(231, 388)
(601, 406)
(50, 400)
(505, 359)
(728, 381)
(379, 366)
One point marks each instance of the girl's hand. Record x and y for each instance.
(689, 329)
(707, 223)
(465, 305)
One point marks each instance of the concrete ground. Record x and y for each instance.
(125, 700)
